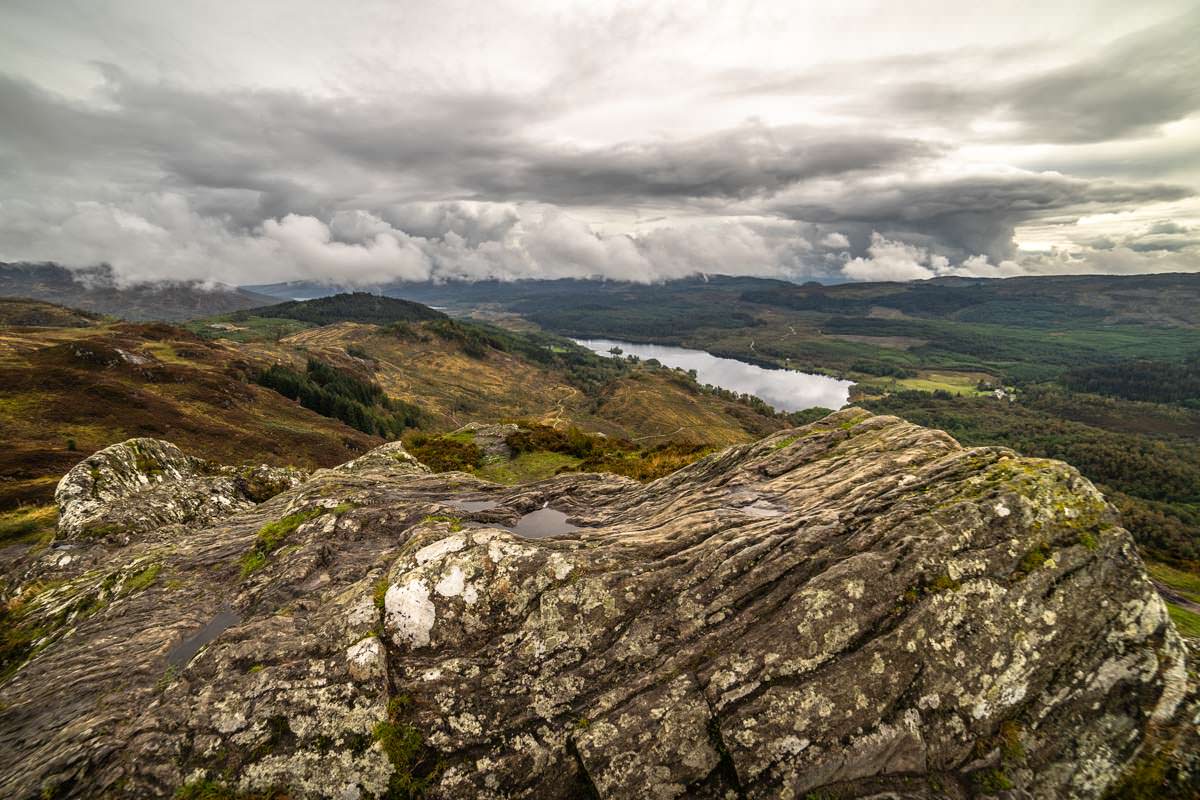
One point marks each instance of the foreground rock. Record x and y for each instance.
(143, 484)
(859, 607)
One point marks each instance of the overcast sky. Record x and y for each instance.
(364, 142)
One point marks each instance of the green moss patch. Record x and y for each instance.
(414, 765)
(454, 522)
(271, 537)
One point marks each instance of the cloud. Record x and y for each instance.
(626, 143)
(163, 238)
(889, 260)
(308, 244)
(1114, 261)
(741, 162)
(835, 241)
(963, 215)
(1125, 88)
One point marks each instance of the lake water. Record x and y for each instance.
(785, 389)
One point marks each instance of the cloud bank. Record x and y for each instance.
(515, 142)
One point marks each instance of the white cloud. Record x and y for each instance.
(835, 241)
(160, 237)
(890, 260)
(308, 244)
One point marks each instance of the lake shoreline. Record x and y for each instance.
(784, 389)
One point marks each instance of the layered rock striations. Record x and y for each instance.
(859, 607)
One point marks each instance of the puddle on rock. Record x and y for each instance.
(761, 509)
(542, 523)
(473, 505)
(186, 650)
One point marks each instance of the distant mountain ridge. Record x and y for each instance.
(95, 289)
(1168, 299)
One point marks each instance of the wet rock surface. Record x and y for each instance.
(856, 608)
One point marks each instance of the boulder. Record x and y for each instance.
(857, 608)
(143, 484)
(491, 439)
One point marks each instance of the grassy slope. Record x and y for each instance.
(68, 391)
(64, 386)
(455, 388)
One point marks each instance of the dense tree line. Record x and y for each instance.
(969, 303)
(330, 392)
(1151, 381)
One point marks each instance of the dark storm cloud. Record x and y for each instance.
(1132, 88)
(972, 214)
(306, 155)
(749, 160)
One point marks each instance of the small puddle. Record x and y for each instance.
(761, 509)
(473, 505)
(542, 523)
(186, 650)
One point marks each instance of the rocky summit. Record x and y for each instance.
(857, 608)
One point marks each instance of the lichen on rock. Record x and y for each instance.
(140, 485)
(911, 619)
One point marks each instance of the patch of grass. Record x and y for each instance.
(1184, 583)
(271, 537)
(380, 591)
(1186, 622)
(1009, 736)
(414, 766)
(1151, 777)
(445, 453)
(208, 789)
(991, 781)
(204, 789)
(167, 678)
(141, 580)
(647, 465)
(1034, 559)
(527, 467)
(28, 524)
(454, 522)
(944, 583)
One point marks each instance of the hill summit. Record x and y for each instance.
(858, 607)
(361, 307)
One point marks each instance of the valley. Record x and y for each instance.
(74, 384)
(1101, 371)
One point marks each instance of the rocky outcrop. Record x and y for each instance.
(859, 607)
(144, 484)
(491, 439)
